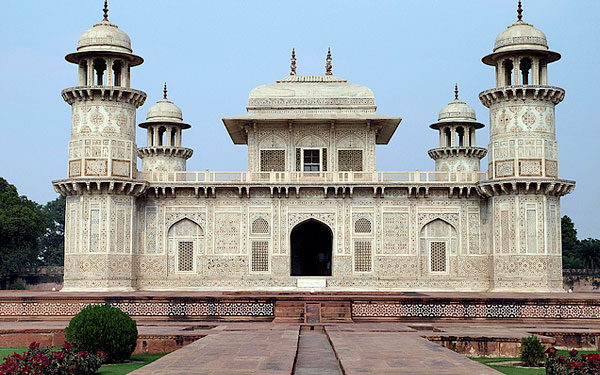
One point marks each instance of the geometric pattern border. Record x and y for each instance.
(141, 308)
(476, 310)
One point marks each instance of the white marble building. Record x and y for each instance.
(311, 211)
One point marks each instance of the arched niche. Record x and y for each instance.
(311, 243)
(438, 241)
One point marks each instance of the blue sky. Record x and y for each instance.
(212, 53)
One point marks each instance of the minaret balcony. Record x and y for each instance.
(537, 92)
(172, 151)
(468, 151)
(110, 93)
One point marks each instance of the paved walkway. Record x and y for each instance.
(315, 355)
(368, 350)
(226, 352)
(271, 348)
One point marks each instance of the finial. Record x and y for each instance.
(519, 11)
(293, 66)
(328, 63)
(165, 91)
(456, 91)
(105, 10)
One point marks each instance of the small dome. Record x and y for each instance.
(104, 36)
(457, 111)
(521, 35)
(164, 111)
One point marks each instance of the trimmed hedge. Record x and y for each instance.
(104, 328)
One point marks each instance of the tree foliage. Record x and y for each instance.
(22, 223)
(576, 253)
(52, 244)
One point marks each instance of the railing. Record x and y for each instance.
(308, 177)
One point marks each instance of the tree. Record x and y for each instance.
(589, 253)
(570, 244)
(22, 222)
(52, 244)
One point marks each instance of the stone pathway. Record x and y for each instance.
(369, 350)
(284, 349)
(246, 351)
(315, 355)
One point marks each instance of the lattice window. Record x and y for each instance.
(260, 226)
(438, 256)
(350, 160)
(362, 256)
(272, 160)
(185, 256)
(362, 225)
(324, 153)
(260, 256)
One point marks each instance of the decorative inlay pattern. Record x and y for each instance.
(477, 310)
(142, 308)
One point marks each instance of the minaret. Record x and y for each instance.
(523, 185)
(101, 185)
(456, 126)
(164, 124)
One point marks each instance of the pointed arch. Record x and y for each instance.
(184, 241)
(438, 242)
(311, 243)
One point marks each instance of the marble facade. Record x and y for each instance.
(311, 211)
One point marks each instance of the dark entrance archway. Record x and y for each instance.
(311, 243)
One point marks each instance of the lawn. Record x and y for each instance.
(520, 371)
(138, 360)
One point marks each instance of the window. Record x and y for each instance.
(362, 225)
(185, 256)
(272, 160)
(260, 226)
(350, 160)
(438, 256)
(362, 256)
(312, 161)
(260, 256)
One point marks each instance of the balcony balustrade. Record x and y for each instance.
(312, 177)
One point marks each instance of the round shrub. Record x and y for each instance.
(103, 328)
(532, 351)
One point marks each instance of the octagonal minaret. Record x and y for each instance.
(164, 124)
(522, 133)
(456, 126)
(523, 188)
(102, 174)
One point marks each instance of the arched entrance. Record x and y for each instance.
(311, 243)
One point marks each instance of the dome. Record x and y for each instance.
(104, 36)
(311, 91)
(521, 35)
(457, 111)
(166, 112)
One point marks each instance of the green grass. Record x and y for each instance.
(138, 360)
(509, 370)
(125, 368)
